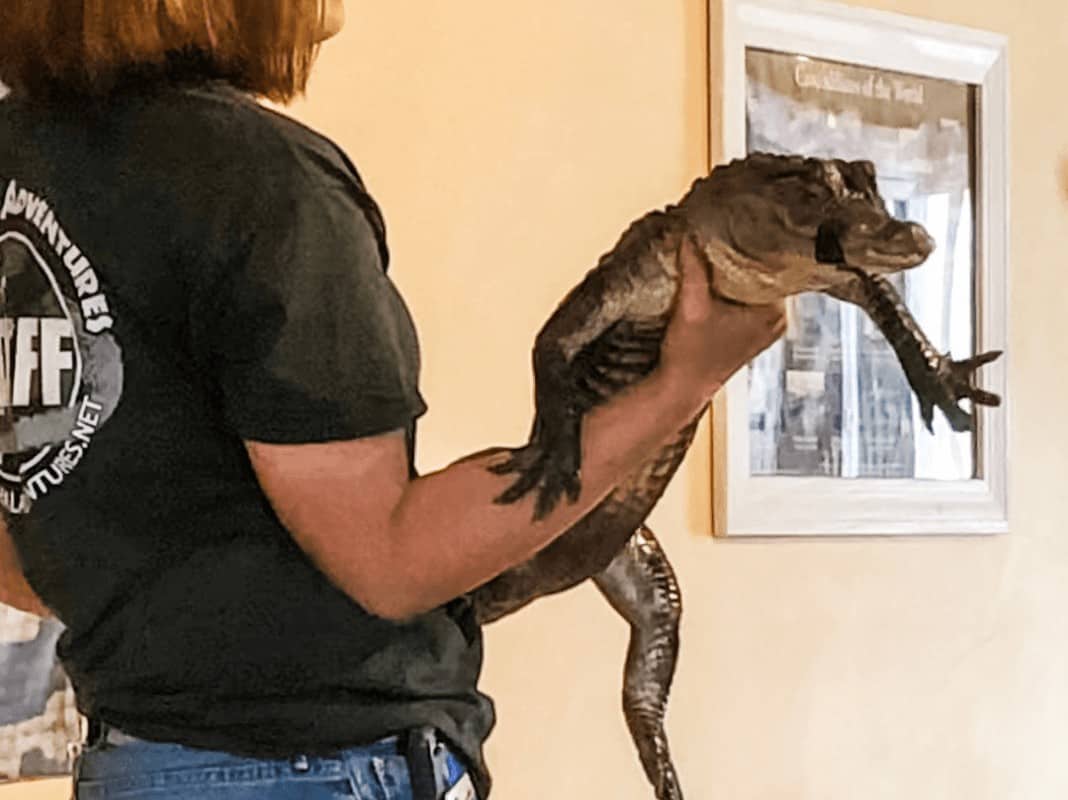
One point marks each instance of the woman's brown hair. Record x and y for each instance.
(89, 47)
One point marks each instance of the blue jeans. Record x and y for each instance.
(125, 768)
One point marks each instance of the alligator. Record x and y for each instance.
(767, 227)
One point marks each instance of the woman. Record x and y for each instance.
(211, 391)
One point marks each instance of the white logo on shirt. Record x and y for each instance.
(60, 368)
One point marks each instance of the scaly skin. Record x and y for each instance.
(591, 544)
(641, 587)
(935, 377)
(769, 227)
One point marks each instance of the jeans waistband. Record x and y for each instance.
(99, 732)
(433, 765)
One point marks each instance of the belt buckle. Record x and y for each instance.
(436, 773)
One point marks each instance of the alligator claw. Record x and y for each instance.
(957, 379)
(963, 373)
(959, 420)
(550, 464)
(528, 462)
(524, 460)
(985, 398)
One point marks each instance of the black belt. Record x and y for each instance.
(95, 732)
(426, 754)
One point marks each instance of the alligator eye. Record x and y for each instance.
(828, 248)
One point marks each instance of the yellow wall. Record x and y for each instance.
(509, 144)
(37, 790)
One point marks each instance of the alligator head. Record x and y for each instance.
(774, 226)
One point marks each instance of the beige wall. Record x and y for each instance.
(509, 144)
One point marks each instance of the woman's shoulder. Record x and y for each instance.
(219, 128)
(275, 166)
(268, 132)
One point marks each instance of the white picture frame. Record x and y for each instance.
(777, 505)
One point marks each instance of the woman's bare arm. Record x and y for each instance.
(14, 590)
(400, 547)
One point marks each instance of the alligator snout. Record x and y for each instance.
(914, 238)
(908, 245)
(893, 246)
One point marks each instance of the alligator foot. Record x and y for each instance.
(641, 587)
(549, 463)
(957, 382)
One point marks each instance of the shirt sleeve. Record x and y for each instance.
(307, 337)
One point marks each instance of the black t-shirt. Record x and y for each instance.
(182, 269)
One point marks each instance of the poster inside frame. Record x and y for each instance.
(877, 66)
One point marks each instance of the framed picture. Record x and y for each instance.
(821, 435)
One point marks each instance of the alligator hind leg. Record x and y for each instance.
(641, 586)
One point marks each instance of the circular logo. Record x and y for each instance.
(60, 367)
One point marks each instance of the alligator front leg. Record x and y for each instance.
(641, 586)
(935, 377)
(604, 336)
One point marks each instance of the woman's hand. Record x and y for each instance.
(709, 339)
